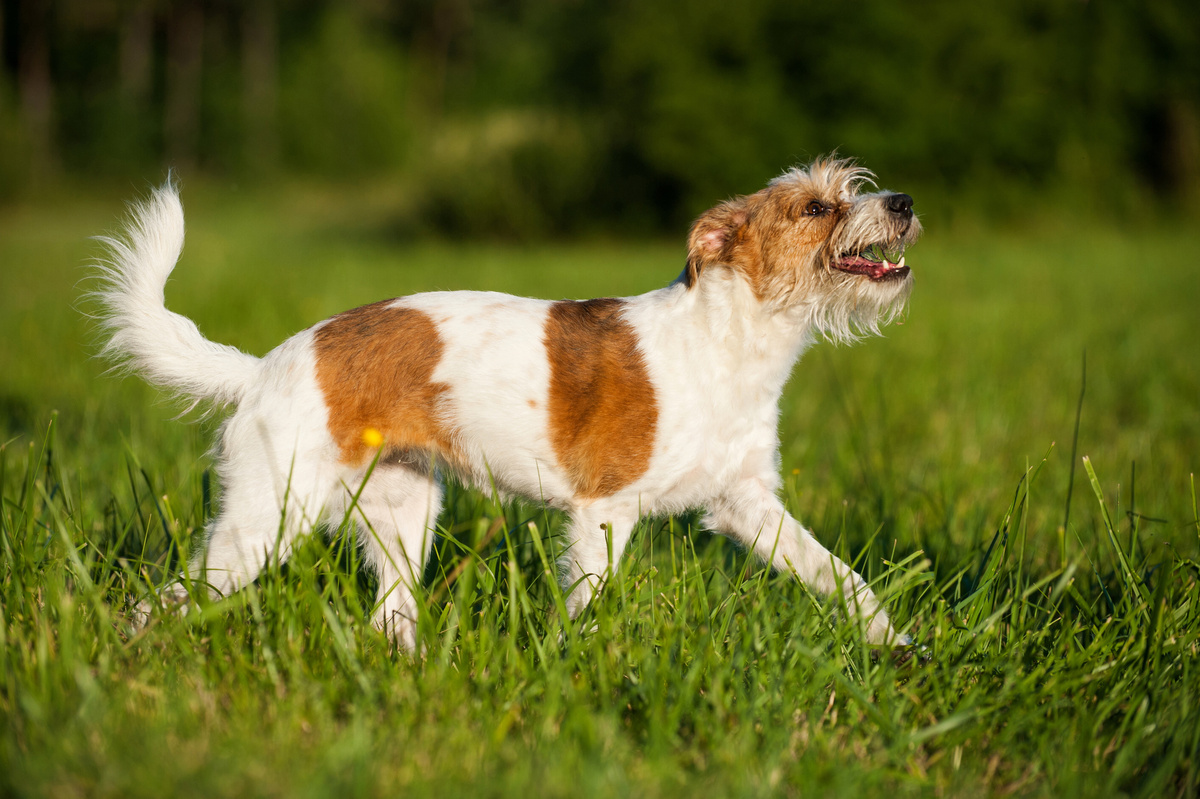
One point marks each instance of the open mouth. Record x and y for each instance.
(876, 262)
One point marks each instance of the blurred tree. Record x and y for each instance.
(135, 70)
(35, 84)
(345, 98)
(184, 72)
(136, 23)
(260, 56)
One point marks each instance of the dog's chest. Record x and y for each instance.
(711, 435)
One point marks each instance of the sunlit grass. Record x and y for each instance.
(1061, 637)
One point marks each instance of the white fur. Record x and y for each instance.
(717, 356)
(164, 347)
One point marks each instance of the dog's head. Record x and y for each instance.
(813, 243)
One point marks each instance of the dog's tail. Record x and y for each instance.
(141, 334)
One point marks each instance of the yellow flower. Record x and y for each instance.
(372, 438)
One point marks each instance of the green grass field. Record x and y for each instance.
(1058, 598)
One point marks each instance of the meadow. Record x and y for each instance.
(1012, 466)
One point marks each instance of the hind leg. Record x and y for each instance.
(395, 515)
(267, 501)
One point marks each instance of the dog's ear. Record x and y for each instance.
(713, 237)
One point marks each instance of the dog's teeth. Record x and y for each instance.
(901, 261)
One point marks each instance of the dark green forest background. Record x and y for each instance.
(526, 118)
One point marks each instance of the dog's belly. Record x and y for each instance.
(697, 470)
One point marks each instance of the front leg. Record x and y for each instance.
(752, 514)
(596, 538)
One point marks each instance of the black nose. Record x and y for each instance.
(899, 204)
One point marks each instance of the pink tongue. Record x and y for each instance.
(875, 268)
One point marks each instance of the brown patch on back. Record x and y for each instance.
(602, 408)
(375, 367)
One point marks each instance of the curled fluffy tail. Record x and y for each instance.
(142, 335)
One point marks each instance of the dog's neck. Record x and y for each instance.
(723, 310)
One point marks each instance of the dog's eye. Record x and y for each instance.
(814, 208)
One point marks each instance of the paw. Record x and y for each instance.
(906, 654)
(399, 628)
(583, 633)
(172, 597)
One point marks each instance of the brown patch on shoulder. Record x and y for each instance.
(602, 408)
(375, 367)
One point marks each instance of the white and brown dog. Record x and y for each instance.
(609, 409)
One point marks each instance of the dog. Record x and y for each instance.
(609, 409)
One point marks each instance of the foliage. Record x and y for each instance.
(531, 118)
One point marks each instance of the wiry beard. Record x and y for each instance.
(862, 282)
(855, 308)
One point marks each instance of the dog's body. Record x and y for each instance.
(608, 409)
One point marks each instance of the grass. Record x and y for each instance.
(1057, 597)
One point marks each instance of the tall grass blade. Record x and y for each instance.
(1133, 585)
(1066, 525)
